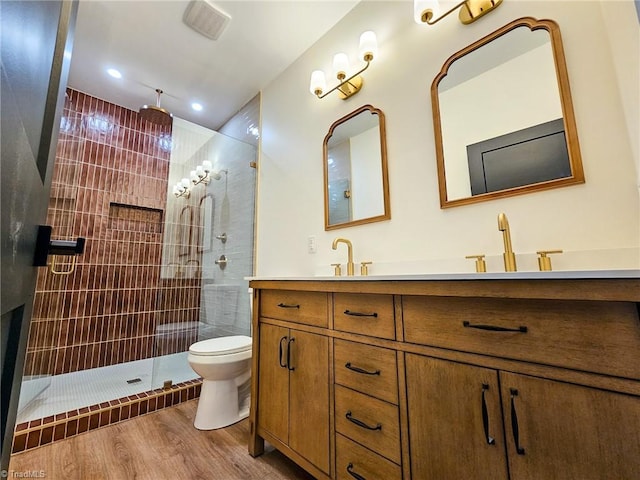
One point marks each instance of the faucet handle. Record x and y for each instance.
(364, 269)
(337, 270)
(544, 262)
(481, 265)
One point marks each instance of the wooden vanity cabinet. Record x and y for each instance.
(569, 431)
(464, 419)
(293, 380)
(367, 413)
(483, 379)
(455, 420)
(552, 429)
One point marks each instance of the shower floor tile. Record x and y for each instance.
(76, 390)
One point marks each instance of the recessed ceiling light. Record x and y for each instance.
(114, 73)
(196, 106)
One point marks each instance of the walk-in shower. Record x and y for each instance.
(151, 281)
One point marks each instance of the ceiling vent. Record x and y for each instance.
(206, 19)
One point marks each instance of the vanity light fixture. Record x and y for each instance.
(351, 85)
(427, 11)
(181, 189)
(201, 173)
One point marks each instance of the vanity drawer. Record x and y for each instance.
(365, 314)
(367, 369)
(369, 421)
(352, 457)
(310, 308)
(595, 336)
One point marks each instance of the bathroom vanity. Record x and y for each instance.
(493, 376)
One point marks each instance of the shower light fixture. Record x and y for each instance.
(201, 173)
(181, 189)
(351, 85)
(429, 11)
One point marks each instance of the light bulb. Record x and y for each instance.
(185, 182)
(318, 82)
(206, 165)
(368, 46)
(340, 65)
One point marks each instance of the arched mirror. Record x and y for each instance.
(356, 184)
(503, 117)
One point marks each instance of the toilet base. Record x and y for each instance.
(220, 403)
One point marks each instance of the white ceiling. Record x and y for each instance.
(150, 45)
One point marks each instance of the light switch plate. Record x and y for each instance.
(311, 244)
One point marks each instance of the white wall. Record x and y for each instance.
(601, 215)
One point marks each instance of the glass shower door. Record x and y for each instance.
(208, 248)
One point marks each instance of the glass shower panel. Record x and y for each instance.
(208, 247)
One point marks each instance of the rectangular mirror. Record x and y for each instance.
(356, 185)
(503, 117)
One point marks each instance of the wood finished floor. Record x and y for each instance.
(161, 445)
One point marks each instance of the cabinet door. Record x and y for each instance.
(309, 397)
(455, 420)
(569, 431)
(273, 401)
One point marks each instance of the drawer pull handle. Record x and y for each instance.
(514, 422)
(485, 417)
(291, 340)
(360, 314)
(284, 305)
(280, 351)
(493, 328)
(354, 474)
(360, 423)
(361, 370)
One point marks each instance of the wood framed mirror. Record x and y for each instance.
(503, 116)
(356, 181)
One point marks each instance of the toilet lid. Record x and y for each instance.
(221, 345)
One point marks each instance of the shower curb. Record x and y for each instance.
(44, 431)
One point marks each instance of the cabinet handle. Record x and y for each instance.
(361, 370)
(485, 417)
(360, 423)
(283, 365)
(360, 314)
(285, 305)
(493, 328)
(291, 340)
(514, 422)
(354, 474)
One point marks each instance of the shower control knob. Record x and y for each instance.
(222, 238)
(222, 262)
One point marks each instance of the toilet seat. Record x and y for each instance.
(221, 346)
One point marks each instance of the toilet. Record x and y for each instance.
(224, 364)
(221, 355)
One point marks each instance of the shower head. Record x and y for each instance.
(156, 114)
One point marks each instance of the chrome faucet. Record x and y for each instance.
(350, 264)
(508, 255)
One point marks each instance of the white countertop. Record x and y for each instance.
(554, 275)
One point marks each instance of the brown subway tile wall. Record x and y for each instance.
(109, 186)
